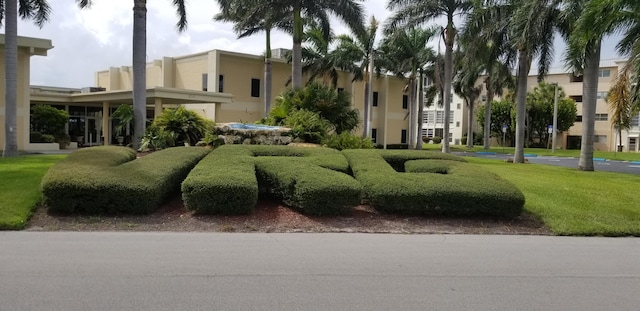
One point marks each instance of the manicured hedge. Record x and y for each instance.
(309, 179)
(110, 179)
(465, 189)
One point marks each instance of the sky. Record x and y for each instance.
(94, 39)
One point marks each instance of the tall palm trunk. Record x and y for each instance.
(296, 67)
(267, 74)
(412, 112)
(589, 96)
(420, 110)
(487, 115)
(11, 79)
(139, 70)
(470, 123)
(367, 106)
(521, 104)
(448, 74)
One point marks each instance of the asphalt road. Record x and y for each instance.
(631, 167)
(218, 271)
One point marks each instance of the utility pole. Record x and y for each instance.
(555, 120)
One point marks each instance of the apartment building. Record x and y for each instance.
(605, 137)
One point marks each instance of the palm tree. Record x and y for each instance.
(360, 48)
(349, 11)
(465, 85)
(488, 41)
(251, 17)
(38, 11)
(619, 99)
(417, 12)
(139, 59)
(407, 52)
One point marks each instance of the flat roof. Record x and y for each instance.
(168, 96)
(37, 46)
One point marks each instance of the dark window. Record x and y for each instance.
(403, 137)
(220, 83)
(576, 98)
(375, 99)
(255, 87)
(205, 78)
(374, 135)
(405, 101)
(340, 89)
(578, 118)
(574, 78)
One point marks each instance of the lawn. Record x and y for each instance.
(572, 202)
(20, 187)
(610, 155)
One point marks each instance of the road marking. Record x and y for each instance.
(553, 160)
(634, 166)
(604, 163)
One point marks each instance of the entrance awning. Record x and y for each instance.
(170, 96)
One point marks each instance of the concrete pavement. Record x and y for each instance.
(232, 271)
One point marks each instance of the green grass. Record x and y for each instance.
(572, 202)
(622, 156)
(20, 187)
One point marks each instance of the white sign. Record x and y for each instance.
(550, 129)
(504, 128)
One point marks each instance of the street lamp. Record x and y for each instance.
(555, 119)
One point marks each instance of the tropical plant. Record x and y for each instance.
(620, 106)
(251, 17)
(140, 56)
(332, 106)
(307, 126)
(418, 12)
(186, 125)
(360, 49)
(540, 102)
(502, 114)
(48, 120)
(157, 138)
(469, 69)
(38, 11)
(407, 54)
(124, 119)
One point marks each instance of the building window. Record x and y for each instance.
(255, 87)
(403, 137)
(439, 116)
(450, 137)
(578, 118)
(458, 106)
(484, 98)
(602, 117)
(429, 117)
(374, 135)
(440, 132)
(604, 73)
(220, 83)
(205, 78)
(405, 101)
(576, 98)
(429, 132)
(574, 78)
(451, 116)
(375, 99)
(634, 120)
(457, 123)
(340, 89)
(600, 139)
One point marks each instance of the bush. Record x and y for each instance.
(397, 146)
(465, 189)
(437, 139)
(347, 141)
(307, 126)
(35, 137)
(463, 140)
(309, 179)
(156, 138)
(123, 115)
(63, 139)
(46, 138)
(185, 125)
(109, 179)
(48, 120)
(426, 139)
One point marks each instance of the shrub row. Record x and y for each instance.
(311, 179)
(465, 189)
(110, 179)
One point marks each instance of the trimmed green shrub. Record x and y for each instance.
(347, 140)
(109, 179)
(309, 179)
(307, 126)
(437, 139)
(46, 138)
(35, 137)
(465, 189)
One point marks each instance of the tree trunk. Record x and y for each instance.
(267, 75)
(139, 71)
(412, 112)
(366, 132)
(420, 110)
(521, 104)
(296, 66)
(11, 79)
(487, 115)
(589, 96)
(448, 74)
(470, 123)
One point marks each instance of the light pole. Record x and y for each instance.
(555, 119)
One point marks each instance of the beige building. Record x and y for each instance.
(241, 75)
(605, 137)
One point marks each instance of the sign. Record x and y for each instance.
(550, 129)
(504, 128)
